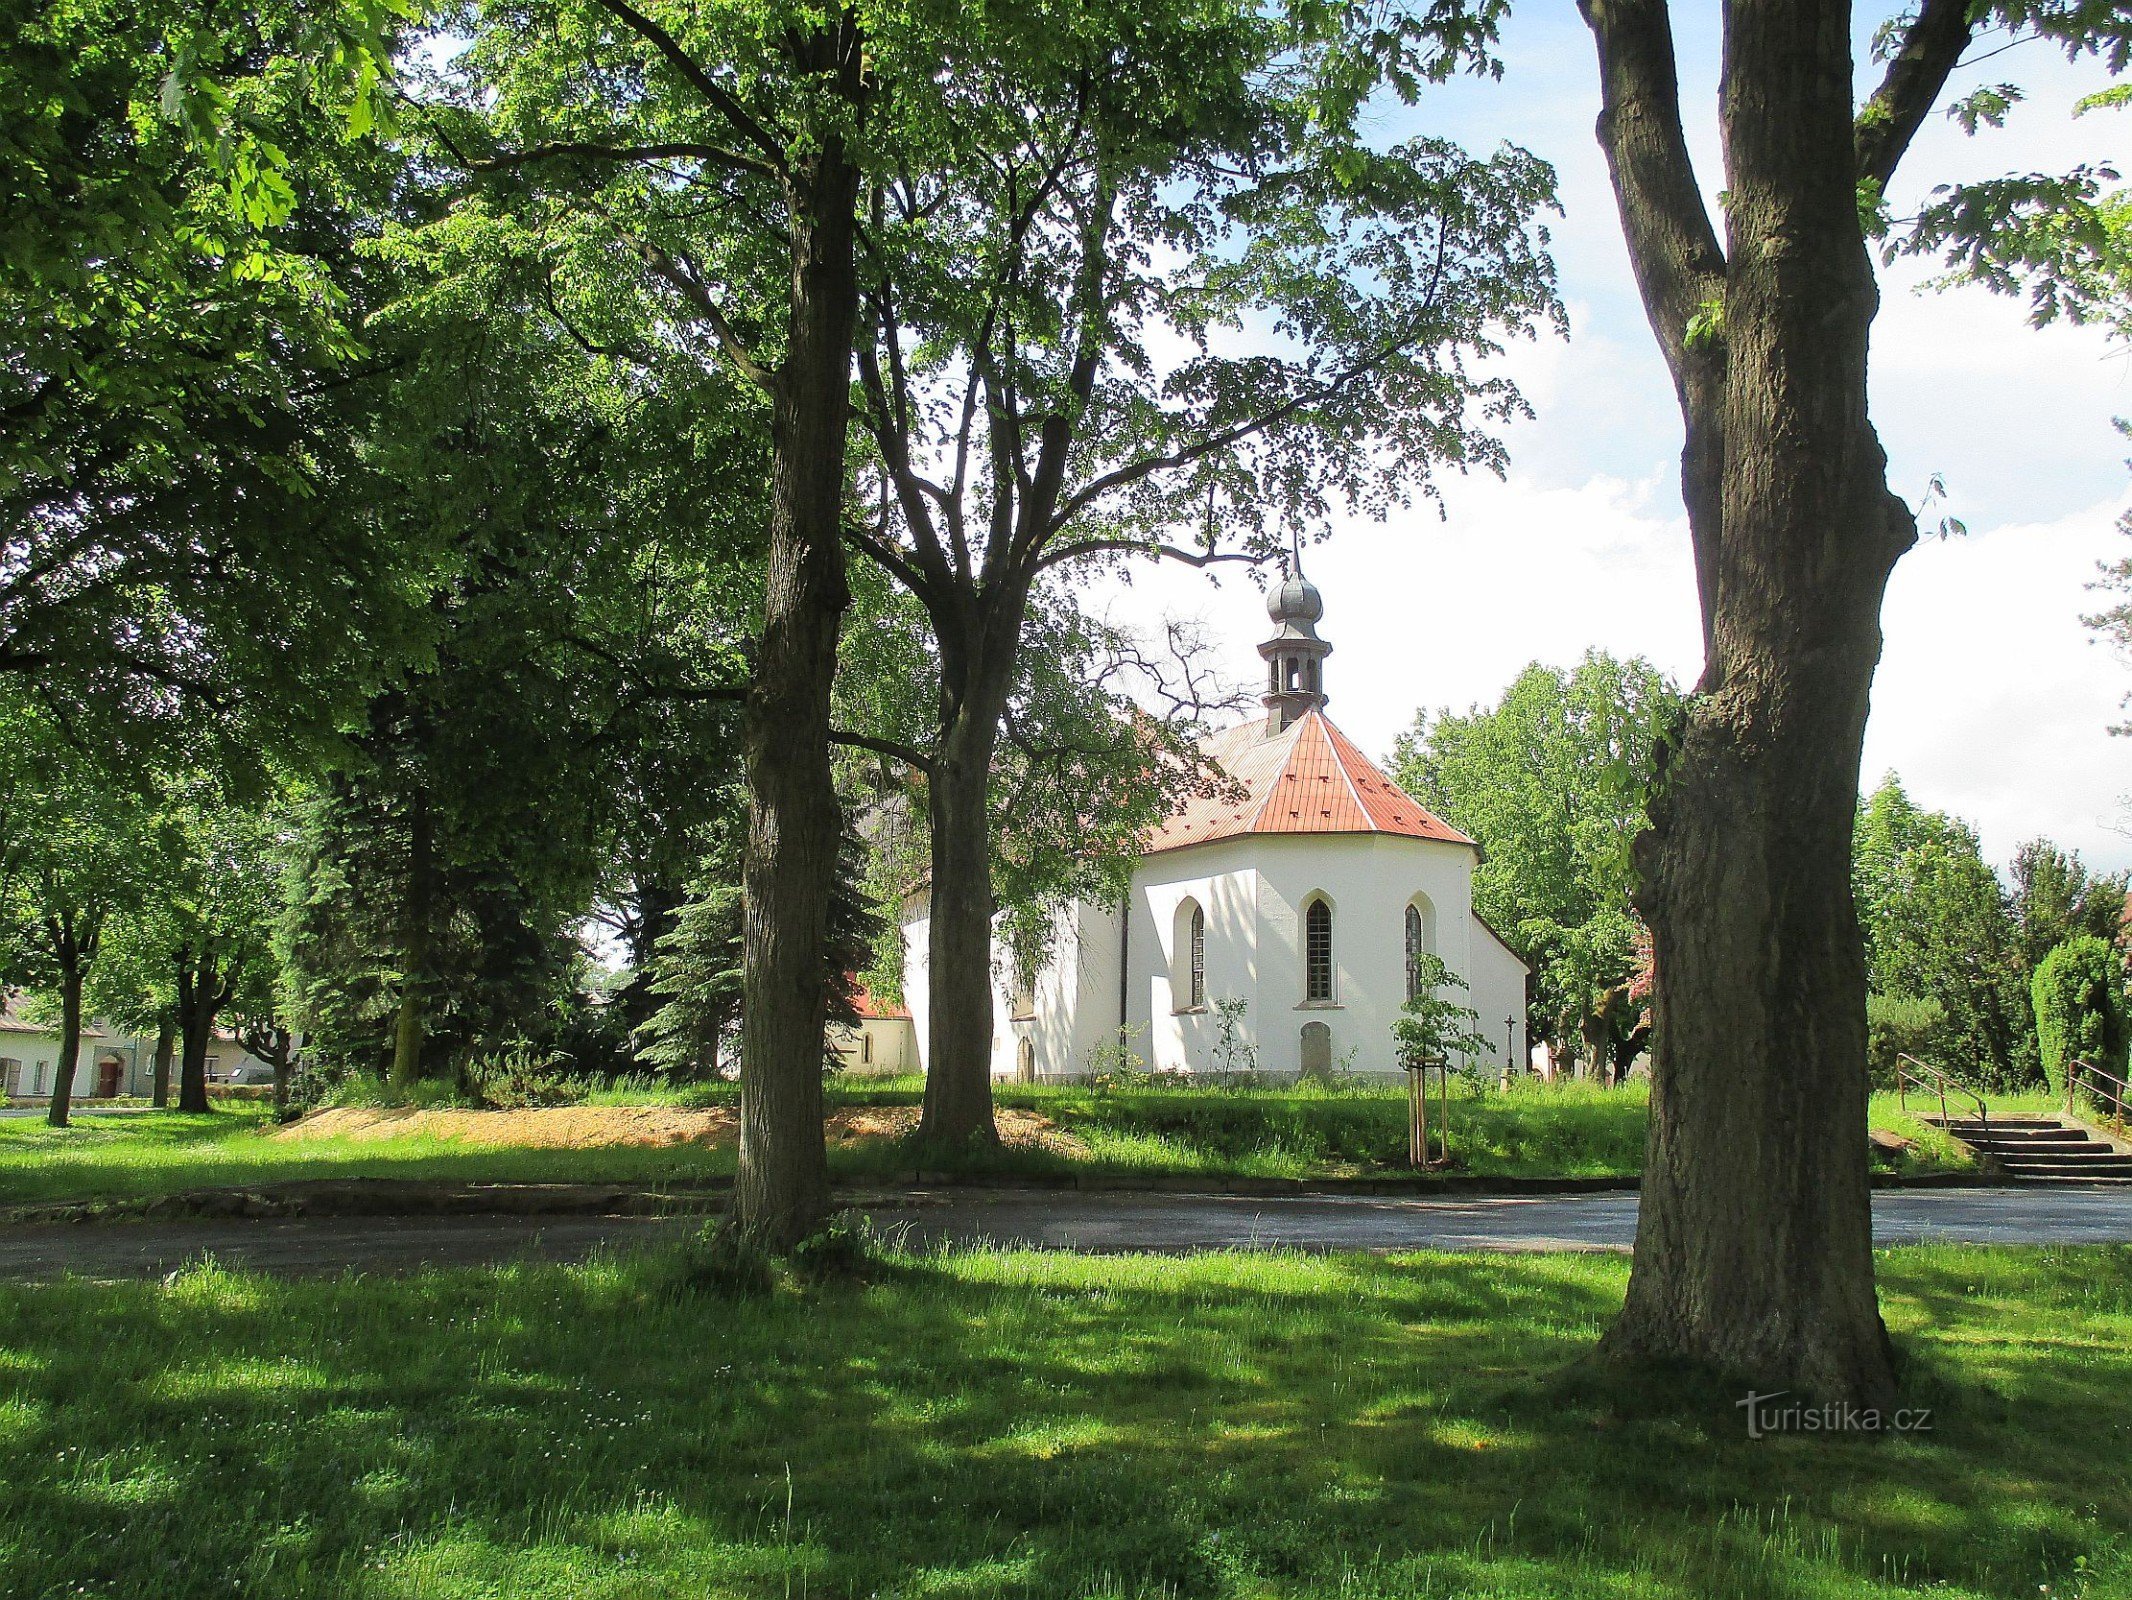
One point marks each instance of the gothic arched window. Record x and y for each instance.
(1318, 951)
(1198, 984)
(1417, 947)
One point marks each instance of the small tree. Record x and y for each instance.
(2080, 1008)
(697, 971)
(700, 973)
(1431, 1028)
(1235, 1056)
(1898, 1025)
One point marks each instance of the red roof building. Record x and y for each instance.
(1306, 778)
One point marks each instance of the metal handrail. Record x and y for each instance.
(1936, 1080)
(2079, 1074)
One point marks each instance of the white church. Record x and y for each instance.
(1305, 899)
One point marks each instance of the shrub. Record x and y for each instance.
(520, 1078)
(1898, 1025)
(1115, 1064)
(2080, 1008)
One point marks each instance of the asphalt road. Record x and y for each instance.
(1108, 1223)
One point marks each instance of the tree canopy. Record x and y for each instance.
(1552, 782)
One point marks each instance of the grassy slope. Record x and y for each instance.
(1567, 1131)
(982, 1425)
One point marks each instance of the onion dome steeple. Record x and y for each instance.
(1295, 655)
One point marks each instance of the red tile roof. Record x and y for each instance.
(1308, 778)
(863, 1002)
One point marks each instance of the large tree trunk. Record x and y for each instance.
(410, 1022)
(201, 996)
(166, 1041)
(781, 1190)
(1753, 1247)
(192, 1069)
(69, 1040)
(958, 1068)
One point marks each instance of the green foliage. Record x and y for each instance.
(2059, 237)
(1552, 783)
(1899, 1025)
(2079, 993)
(1938, 926)
(1234, 1056)
(2056, 898)
(698, 967)
(178, 300)
(697, 972)
(1116, 1063)
(521, 1077)
(1432, 1029)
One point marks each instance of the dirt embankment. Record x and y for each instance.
(590, 1127)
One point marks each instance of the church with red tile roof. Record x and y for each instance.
(1273, 925)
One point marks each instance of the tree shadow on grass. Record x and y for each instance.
(980, 1424)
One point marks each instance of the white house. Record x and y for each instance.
(881, 1042)
(109, 1064)
(1305, 898)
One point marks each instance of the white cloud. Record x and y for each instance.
(1992, 700)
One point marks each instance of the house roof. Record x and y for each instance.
(1308, 778)
(871, 1009)
(13, 1021)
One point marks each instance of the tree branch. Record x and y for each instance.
(1931, 49)
(716, 155)
(704, 84)
(1165, 552)
(1679, 265)
(885, 747)
(698, 294)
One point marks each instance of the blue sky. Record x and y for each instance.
(1992, 701)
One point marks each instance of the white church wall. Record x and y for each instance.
(1075, 997)
(1369, 880)
(1498, 979)
(917, 992)
(1073, 1002)
(1221, 880)
(1255, 890)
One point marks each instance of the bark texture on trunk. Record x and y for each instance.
(61, 1107)
(203, 990)
(166, 1043)
(958, 1077)
(1753, 1250)
(781, 1189)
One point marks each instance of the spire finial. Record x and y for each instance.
(1295, 655)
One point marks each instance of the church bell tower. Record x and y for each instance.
(1295, 655)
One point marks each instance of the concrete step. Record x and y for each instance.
(2049, 1150)
(2075, 1180)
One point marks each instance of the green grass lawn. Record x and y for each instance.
(1051, 1426)
(1535, 1130)
(159, 1152)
